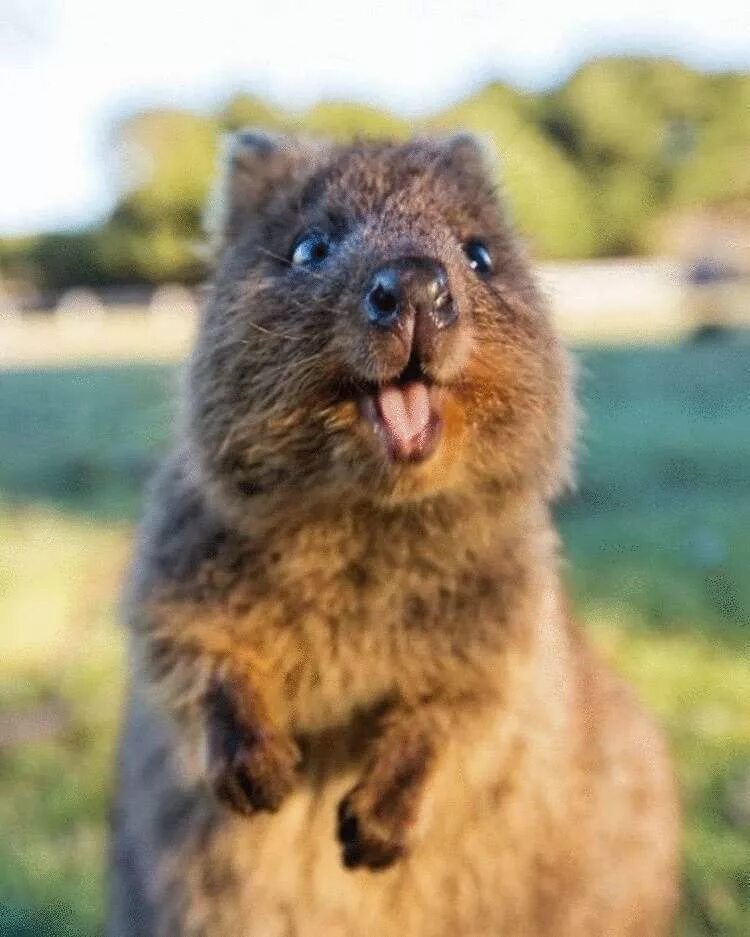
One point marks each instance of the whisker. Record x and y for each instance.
(279, 257)
(272, 332)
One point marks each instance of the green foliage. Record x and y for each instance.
(591, 168)
(719, 167)
(15, 260)
(547, 192)
(152, 254)
(248, 110)
(647, 132)
(620, 109)
(341, 120)
(62, 259)
(167, 158)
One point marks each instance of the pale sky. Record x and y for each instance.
(69, 68)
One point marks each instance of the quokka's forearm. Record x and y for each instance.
(379, 817)
(217, 704)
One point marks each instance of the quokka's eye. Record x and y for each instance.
(480, 259)
(311, 249)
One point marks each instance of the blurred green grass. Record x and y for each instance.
(659, 561)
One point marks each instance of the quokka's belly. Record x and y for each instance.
(496, 853)
(203, 870)
(472, 869)
(281, 875)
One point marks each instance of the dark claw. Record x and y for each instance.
(360, 850)
(348, 825)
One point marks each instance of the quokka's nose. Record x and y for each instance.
(412, 286)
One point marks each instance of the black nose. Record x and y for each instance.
(413, 284)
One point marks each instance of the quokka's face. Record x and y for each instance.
(373, 331)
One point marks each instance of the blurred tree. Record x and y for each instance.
(589, 168)
(157, 254)
(547, 191)
(342, 120)
(167, 159)
(248, 110)
(15, 260)
(718, 166)
(633, 125)
(620, 109)
(60, 260)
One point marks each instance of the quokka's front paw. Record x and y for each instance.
(371, 835)
(376, 819)
(252, 766)
(256, 773)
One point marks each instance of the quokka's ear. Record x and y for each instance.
(468, 152)
(253, 164)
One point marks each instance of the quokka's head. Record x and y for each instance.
(372, 331)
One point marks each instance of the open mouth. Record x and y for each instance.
(404, 415)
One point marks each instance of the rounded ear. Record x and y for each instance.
(253, 165)
(469, 152)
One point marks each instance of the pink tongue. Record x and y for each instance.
(405, 412)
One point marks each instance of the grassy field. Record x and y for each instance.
(657, 536)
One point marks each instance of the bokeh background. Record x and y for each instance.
(625, 150)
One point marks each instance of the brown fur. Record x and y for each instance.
(358, 705)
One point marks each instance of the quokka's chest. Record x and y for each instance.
(329, 646)
(324, 667)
